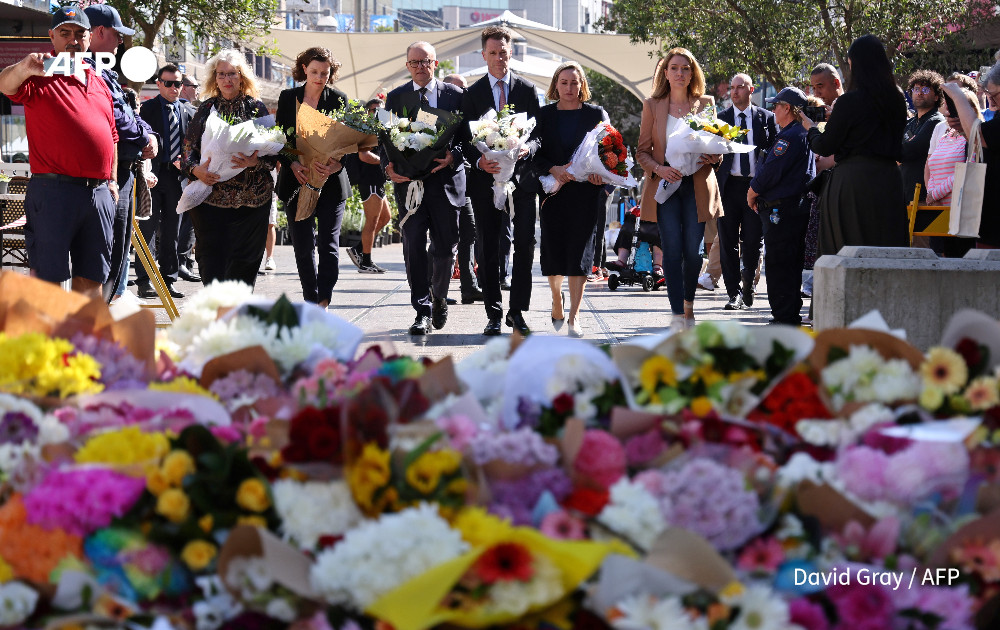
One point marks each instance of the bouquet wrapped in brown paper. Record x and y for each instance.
(321, 136)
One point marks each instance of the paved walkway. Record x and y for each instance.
(380, 304)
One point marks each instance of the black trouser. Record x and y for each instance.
(185, 241)
(438, 218)
(740, 224)
(162, 227)
(467, 248)
(784, 256)
(489, 228)
(230, 241)
(506, 234)
(122, 228)
(320, 232)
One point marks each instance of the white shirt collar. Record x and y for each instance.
(748, 111)
(431, 85)
(493, 80)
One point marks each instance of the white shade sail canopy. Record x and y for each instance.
(375, 62)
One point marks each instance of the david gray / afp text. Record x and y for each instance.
(867, 576)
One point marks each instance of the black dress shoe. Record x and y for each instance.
(474, 295)
(748, 298)
(145, 291)
(439, 313)
(505, 286)
(492, 328)
(421, 325)
(516, 321)
(174, 292)
(451, 301)
(186, 274)
(735, 304)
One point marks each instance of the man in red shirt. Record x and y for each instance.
(71, 197)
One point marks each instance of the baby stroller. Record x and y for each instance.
(638, 269)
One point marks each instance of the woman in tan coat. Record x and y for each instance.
(678, 90)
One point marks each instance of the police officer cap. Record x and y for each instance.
(70, 15)
(791, 95)
(103, 15)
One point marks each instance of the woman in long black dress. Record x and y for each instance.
(318, 69)
(863, 203)
(570, 216)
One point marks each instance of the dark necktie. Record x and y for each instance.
(502, 99)
(175, 132)
(423, 97)
(744, 157)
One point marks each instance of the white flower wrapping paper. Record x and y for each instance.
(500, 139)
(586, 160)
(685, 145)
(221, 141)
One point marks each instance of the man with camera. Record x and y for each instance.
(741, 223)
(924, 88)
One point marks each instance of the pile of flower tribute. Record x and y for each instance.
(253, 469)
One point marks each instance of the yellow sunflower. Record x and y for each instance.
(944, 369)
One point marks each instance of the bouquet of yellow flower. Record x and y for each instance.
(200, 489)
(381, 482)
(128, 450)
(34, 364)
(713, 125)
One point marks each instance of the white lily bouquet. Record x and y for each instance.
(499, 137)
(222, 140)
(698, 134)
(602, 152)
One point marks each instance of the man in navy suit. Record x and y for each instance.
(444, 195)
(168, 115)
(498, 88)
(741, 223)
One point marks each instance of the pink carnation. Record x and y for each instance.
(762, 554)
(82, 501)
(601, 459)
(460, 430)
(862, 469)
(561, 526)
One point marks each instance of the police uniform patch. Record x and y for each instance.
(780, 147)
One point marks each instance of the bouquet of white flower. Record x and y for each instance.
(221, 141)
(499, 137)
(689, 140)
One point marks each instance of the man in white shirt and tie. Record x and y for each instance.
(741, 224)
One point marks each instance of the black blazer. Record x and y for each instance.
(154, 112)
(449, 98)
(764, 131)
(479, 100)
(337, 184)
(553, 150)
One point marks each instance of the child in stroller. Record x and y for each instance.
(639, 255)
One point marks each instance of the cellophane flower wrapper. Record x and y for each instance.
(586, 161)
(417, 604)
(411, 155)
(684, 148)
(221, 141)
(501, 145)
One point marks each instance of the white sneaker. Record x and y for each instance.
(574, 330)
(269, 264)
(678, 323)
(705, 282)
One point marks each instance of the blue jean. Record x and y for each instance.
(681, 236)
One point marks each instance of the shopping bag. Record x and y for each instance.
(967, 192)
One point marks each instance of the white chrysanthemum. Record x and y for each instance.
(378, 556)
(734, 334)
(644, 612)
(801, 467)
(760, 609)
(223, 337)
(868, 416)
(17, 602)
(822, 432)
(280, 609)
(634, 513)
(313, 509)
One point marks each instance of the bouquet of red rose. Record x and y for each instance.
(601, 152)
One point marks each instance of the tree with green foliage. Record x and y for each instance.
(624, 109)
(782, 40)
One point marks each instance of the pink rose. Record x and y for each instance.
(601, 459)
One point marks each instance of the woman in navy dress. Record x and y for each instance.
(570, 216)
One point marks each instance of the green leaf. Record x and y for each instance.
(282, 313)
(422, 448)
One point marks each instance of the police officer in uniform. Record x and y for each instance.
(776, 192)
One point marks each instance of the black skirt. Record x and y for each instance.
(862, 204)
(569, 219)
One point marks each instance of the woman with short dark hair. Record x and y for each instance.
(863, 203)
(318, 69)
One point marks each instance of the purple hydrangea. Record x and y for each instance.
(17, 427)
(517, 498)
(523, 446)
(119, 368)
(245, 386)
